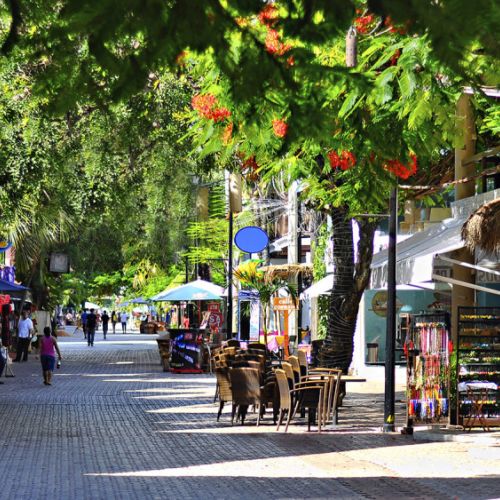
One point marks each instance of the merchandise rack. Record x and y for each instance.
(478, 364)
(428, 348)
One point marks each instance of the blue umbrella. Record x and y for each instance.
(5, 286)
(138, 300)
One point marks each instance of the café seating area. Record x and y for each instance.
(285, 391)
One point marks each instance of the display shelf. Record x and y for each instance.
(478, 401)
(428, 353)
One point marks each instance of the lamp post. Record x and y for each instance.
(390, 341)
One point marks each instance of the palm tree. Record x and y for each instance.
(267, 286)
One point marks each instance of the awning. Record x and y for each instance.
(415, 256)
(6, 286)
(322, 287)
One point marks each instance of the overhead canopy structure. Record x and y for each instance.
(286, 271)
(6, 286)
(195, 290)
(482, 229)
(322, 287)
(415, 260)
(137, 300)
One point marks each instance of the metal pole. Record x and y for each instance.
(390, 340)
(229, 317)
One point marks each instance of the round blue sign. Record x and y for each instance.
(251, 239)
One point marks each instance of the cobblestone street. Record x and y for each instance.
(114, 426)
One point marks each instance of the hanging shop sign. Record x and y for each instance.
(285, 304)
(251, 239)
(59, 263)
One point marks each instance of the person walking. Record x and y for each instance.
(48, 350)
(25, 331)
(123, 319)
(105, 321)
(114, 320)
(91, 326)
(84, 317)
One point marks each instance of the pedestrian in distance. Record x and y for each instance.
(114, 320)
(185, 321)
(25, 331)
(84, 317)
(105, 321)
(91, 326)
(123, 319)
(48, 350)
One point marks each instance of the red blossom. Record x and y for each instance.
(274, 45)
(250, 163)
(363, 23)
(203, 103)
(400, 170)
(219, 114)
(280, 128)
(345, 160)
(268, 15)
(206, 105)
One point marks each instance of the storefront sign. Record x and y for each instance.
(213, 306)
(285, 304)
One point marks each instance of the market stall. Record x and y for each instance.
(187, 344)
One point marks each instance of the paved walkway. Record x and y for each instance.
(114, 425)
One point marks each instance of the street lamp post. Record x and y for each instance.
(390, 342)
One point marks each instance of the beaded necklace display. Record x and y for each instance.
(427, 383)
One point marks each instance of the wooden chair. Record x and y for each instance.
(303, 363)
(224, 388)
(233, 343)
(308, 395)
(245, 387)
(294, 361)
(334, 385)
(290, 375)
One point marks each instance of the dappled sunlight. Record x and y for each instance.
(345, 464)
(146, 380)
(160, 397)
(171, 390)
(194, 408)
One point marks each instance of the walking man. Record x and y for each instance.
(123, 319)
(91, 326)
(84, 317)
(105, 321)
(25, 331)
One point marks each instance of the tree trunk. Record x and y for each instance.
(350, 280)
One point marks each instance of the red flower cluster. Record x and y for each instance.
(206, 105)
(364, 23)
(345, 160)
(274, 45)
(400, 170)
(268, 15)
(250, 163)
(280, 128)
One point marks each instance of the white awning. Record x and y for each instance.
(322, 287)
(415, 256)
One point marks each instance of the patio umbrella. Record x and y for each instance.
(6, 286)
(195, 290)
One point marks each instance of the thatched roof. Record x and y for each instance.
(482, 228)
(286, 271)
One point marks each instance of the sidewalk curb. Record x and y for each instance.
(459, 437)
